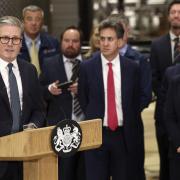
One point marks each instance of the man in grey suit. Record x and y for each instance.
(20, 97)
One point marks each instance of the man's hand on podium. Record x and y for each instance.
(29, 126)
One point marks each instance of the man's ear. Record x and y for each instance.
(121, 43)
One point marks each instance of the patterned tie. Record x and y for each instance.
(34, 56)
(75, 69)
(176, 49)
(75, 72)
(14, 99)
(111, 103)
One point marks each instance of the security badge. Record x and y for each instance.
(66, 138)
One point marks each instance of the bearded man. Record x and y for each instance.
(62, 100)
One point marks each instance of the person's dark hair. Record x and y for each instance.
(118, 27)
(74, 28)
(173, 3)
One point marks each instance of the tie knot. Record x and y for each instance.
(33, 42)
(10, 65)
(75, 61)
(110, 65)
(34, 45)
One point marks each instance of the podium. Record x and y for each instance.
(33, 147)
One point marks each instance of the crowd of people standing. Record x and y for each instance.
(113, 82)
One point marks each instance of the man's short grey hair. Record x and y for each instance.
(11, 20)
(32, 8)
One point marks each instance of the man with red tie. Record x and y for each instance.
(109, 89)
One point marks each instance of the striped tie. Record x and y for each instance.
(176, 49)
(75, 73)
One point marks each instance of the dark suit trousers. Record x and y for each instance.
(175, 166)
(72, 168)
(163, 147)
(109, 159)
(14, 171)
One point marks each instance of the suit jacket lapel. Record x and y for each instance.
(3, 92)
(60, 69)
(124, 83)
(99, 75)
(167, 48)
(24, 84)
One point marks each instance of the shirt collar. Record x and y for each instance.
(3, 64)
(28, 40)
(65, 59)
(114, 61)
(172, 36)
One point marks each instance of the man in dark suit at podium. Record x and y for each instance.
(61, 102)
(20, 97)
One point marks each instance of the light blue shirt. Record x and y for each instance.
(123, 50)
(28, 41)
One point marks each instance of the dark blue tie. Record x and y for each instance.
(14, 99)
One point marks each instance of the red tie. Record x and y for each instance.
(111, 104)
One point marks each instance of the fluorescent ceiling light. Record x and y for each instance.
(131, 1)
(155, 1)
(113, 1)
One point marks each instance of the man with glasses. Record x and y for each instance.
(36, 45)
(6, 39)
(20, 98)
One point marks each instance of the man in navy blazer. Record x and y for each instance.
(55, 70)
(120, 153)
(172, 125)
(46, 45)
(170, 73)
(30, 101)
(162, 56)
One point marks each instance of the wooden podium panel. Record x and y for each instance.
(34, 148)
(45, 168)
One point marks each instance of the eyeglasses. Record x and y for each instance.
(6, 39)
